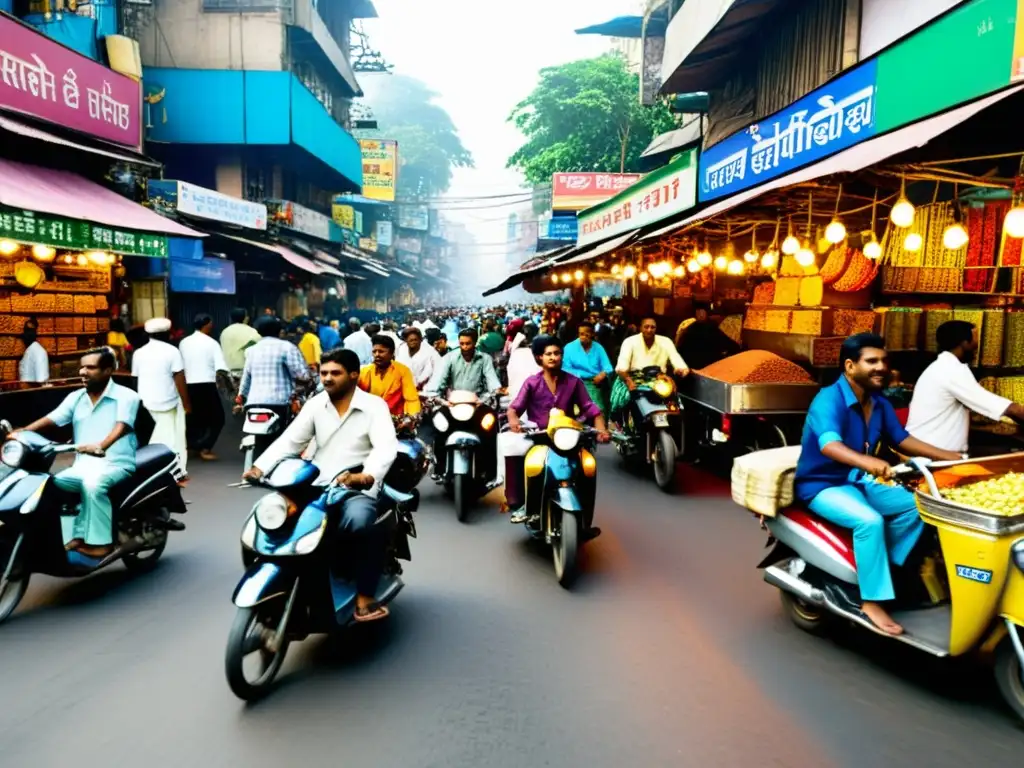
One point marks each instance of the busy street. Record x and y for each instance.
(670, 646)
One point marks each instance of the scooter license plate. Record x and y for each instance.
(249, 441)
(661, 419)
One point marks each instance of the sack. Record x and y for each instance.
(763, 481)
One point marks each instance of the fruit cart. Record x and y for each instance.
(730, 420)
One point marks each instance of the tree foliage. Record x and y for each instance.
(428, 143)
(585, 116)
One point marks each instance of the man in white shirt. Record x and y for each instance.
(161, 374)
(644, 350)
(359, 342)
(204, 364)
(34, 366)
(422, 359)
(355, 446)
(947, 392)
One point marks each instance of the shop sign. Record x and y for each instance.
(414, 217)
(368, 244)
(667, 191)
(74, 235)
(344, 216)
(208, 275)
(207, 204)
(385, 233)
(832, 118)
(409, 244)
(358, 219)
(576, 191)
(45, 80)
(563, 228)
(304, 220)
(380, 168)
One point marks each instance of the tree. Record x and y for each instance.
(585, 116)
(428, 143)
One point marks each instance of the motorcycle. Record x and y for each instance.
(261, 424)
(289, 545)
(31, 507)
(653, 426)
(966, 597)
(412, 463)
(468, 460)
(561, 486)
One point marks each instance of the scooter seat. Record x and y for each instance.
(837, 538)
(150, 460)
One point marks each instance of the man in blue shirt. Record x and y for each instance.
(838, 471)
(329, 338)
(586, 359)
(103, 418)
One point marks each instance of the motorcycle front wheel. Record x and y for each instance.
(565, 551)
(460, 492)
(248, 639)
(16, 585)
(664, 461)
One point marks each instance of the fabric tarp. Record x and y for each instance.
(31, 132)
(293, 258)
(854, 159)
(62, 193)
(597, 251)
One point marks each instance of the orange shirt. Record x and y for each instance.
(396, 386)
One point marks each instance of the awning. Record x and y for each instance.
(591, 252)
(296, 260)
(627, 26)
(673, 141)
(402, 272)
(31, 132)
(540, 264)
(854, 159)
(327, 269)
(374, 268)
(62, 193)
(327, 258)
(703, 40)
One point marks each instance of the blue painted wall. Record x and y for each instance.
(205, 106)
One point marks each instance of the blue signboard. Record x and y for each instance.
(563, 228)
(832, 118)
(208, 275)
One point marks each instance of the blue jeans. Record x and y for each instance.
(885, 526)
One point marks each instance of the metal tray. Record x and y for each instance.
(748, 398)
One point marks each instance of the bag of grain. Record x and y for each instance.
(763, 481)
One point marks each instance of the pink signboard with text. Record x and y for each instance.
(43, 79)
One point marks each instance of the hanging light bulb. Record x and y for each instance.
(804, 255)
(704, 258)
(752, 255)
(69, 259)
(680, 270)
(629, 272)
(616, 269)
(8, 247)
(835, 232)
(735, 267)
(554, 277)
(644, 277)
(770, 259)
(721, 263)
(43, 252)
(872, 248)
(913, 242)
(693, 265)
(902, 214)
(1013, 224)
(98, 258)
(790, 245)
(82, 260)
(578, 275)
(955, 237)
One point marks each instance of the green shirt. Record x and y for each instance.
(233, 341)
(477, 375)
(491, 342)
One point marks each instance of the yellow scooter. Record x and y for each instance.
(976, 600)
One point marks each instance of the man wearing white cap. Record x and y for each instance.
(161, 373)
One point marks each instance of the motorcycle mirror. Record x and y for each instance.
(5, 427)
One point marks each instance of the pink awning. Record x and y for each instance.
(62, 193)
(297, 260)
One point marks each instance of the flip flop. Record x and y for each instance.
(374, 613)
(84, 561)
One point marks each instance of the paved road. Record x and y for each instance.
(669, 652)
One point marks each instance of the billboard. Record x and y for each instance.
(414, 217)
(380, 168)
(576, 191)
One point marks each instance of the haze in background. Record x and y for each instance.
(482, 58)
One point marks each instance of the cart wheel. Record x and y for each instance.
(767, 435)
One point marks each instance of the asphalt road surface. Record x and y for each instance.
(670, 651)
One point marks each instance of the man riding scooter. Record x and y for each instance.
(352, 428)
(542, 392)
(838, 473)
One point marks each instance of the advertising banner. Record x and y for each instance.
(576, 191)
(380, 168)
(836, 116)
(76, 235)
(667, 191)
(206, 204)
(414, 217)
(45, 80)
(285, 213)
(344, 216)
(385, 233)
(563, 228)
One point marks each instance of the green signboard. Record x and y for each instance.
(74, 235)
(966, 54)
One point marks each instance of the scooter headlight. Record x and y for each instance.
(12, 453)
(566, 439)
(664, 387)
(462, 411)
(1017, 552)
(271, 511)
(440, 422)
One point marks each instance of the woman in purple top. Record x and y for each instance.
(551, 388)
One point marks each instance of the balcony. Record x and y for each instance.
(311, 39)
(266, 109)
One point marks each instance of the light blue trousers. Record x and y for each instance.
(91, 477)
(885, 526)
